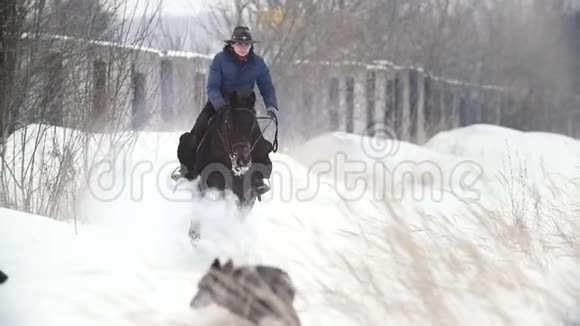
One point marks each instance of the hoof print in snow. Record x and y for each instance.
(3, 277)
(255, 293)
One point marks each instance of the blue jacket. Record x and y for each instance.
(227, 74)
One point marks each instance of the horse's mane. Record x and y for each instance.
(246, 100)
(242, 99)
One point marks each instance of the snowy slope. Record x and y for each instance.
(477, 250)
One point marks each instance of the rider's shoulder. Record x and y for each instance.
(259, 59)
(219, 55)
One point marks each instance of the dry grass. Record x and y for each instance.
(506, 260)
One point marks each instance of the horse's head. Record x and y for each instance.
(238, 130)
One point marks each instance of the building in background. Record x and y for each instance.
(572, 15)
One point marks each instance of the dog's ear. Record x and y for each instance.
(228, 266)
(252, 98)
(216, 264)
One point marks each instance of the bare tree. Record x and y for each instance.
(461, 39)
(514, 44)
(64, 78)
(12, 14)
(80, 18)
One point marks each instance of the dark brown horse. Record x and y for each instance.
(233, 154)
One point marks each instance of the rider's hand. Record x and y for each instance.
(273, 113)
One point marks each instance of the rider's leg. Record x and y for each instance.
(200, 126)
(263, 170)
(183, 154)
(189, 141)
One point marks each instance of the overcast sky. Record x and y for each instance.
(173, 7)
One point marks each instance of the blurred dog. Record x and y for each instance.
(3, 277)
(255, 293)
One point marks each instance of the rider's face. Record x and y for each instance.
(242, 49)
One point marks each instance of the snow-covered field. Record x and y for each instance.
(476, 227)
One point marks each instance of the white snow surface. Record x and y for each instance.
(476, 227)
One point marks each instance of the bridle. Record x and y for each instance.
(275, 142)
(226, 141)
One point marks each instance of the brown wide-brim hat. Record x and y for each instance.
(241, 34)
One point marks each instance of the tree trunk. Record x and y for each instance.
(9, 26)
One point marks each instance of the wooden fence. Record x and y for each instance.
(164, 91)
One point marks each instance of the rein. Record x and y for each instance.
(226, 141)
(275, 142)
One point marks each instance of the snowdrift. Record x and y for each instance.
(444, 234)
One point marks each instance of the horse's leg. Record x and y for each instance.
(244, 190)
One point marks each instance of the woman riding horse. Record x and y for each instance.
(235, 68)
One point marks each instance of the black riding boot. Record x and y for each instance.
(263, 162)
(262, 186)
(186, 169)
